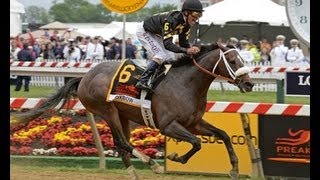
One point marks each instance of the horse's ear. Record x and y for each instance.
(221, 46)
(215, 45)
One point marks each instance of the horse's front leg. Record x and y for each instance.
(206, 129)
(177, 131)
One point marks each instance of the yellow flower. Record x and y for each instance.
(100, 126)
(65, 135)
(32, 131)
(54, 119)
(84, 127)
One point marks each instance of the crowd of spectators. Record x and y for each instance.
(62, 47)
(55, 46)
(276, 54)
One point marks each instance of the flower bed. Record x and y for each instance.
(64, 135)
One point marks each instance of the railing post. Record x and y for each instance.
(280, 90)
(97, 141)
(257, 169)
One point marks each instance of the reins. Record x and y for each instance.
(211, 73)
(216, 75)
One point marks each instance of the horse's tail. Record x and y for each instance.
(66, 92)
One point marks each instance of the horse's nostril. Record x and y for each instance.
(249, 84)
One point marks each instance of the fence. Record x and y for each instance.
(278, 145)
(263, 74)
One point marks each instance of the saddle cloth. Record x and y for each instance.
(123, 83)
(123, 89)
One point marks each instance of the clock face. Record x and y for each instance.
(298, 12)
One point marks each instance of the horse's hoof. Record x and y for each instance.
(157, 169)
(234, 175)
(173, 156)
(133, 173)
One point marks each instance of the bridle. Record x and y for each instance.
(234, 75)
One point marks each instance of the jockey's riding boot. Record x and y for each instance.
(143, 81)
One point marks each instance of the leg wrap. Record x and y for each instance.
(144, 158)
(132, 172)
(156, 168)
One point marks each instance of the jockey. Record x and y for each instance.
(156, 36)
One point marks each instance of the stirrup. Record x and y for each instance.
(144, 87)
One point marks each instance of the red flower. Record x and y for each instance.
(24, 150)
(13, 150)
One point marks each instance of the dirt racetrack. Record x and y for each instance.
(18, 172)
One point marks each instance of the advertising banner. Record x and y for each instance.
(297, 83)
(213, 157)
(285, 145)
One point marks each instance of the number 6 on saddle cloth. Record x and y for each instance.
(123, 87)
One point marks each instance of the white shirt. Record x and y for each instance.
(278, 55)
(74, 56)
(246, 55)
(295, 54)
(94, 51)
(14, 53)
(295, 57)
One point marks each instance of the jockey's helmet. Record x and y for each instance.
(192, 5)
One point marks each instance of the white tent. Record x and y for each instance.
(245, 11)
(16, 9)
(114, 29)
(131, 27)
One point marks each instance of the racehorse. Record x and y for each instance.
(178, 103)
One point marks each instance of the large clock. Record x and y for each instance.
(298, 13)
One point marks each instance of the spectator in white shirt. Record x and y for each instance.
(295, 55)
(279, 52)
(14, 49)
(244, 52)
(72, 52)
(94, 50)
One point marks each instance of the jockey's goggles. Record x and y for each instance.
(195, 14)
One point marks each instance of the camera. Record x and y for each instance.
(71, 49)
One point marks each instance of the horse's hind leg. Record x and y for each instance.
(125, 155)
(206, 129)
(121, 134)
(176, 130)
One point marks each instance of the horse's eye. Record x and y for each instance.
(232, 62)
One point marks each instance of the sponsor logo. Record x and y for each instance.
(235, 140)
(294, 148)
(124, 98)
(153, 46)
(304, 81)
(296, 138)
(124, 7)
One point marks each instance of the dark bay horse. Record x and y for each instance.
(178, 103)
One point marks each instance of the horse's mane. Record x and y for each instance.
(204, 49)
(187, 60)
